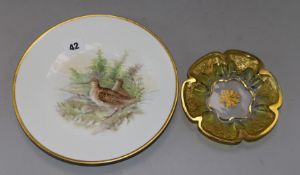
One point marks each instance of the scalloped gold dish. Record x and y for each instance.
(231, 97)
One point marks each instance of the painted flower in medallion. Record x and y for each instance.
(231, 96)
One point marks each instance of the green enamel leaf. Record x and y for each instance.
(203, 78)
(268, 90)
(247, 74)
(219, 70)
(195, 95)
(261, 100)
(256, 82)
(259, 121)
(231, 68)
(214, 126)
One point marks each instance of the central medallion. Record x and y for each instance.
(230, 99)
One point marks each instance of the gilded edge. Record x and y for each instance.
(274, 108)
(100, 162)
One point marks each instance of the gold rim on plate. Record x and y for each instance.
(100, 162)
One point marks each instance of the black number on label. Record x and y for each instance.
(74, 46)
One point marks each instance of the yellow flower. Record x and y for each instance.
(229, 98)
(250, 71)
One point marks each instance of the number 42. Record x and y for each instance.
(74, 46)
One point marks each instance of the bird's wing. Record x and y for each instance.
(123, 92)
(113, 97)
(110, 98)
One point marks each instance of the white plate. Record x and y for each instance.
(57, 109)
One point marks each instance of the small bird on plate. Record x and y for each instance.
(117, 97)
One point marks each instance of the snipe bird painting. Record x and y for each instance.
(104, 96)
(117, 97)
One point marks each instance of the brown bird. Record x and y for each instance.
(116, 98)
(119, 87)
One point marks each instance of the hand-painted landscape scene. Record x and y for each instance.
(105, 95)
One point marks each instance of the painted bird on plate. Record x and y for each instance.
(116, 98)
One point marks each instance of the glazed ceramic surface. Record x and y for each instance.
(95, 89)
(231, 96)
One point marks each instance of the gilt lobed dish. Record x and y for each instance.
(231, 96)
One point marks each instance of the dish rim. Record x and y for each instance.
(274, 107)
